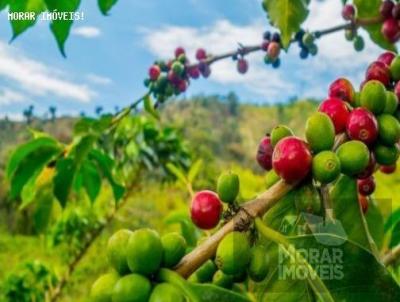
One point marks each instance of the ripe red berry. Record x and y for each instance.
(201, 54)
(387, 57)
(292, 159)
(264, 153)
(194, 72)
(396, 11)
(370, 169)
(337, 110)
(388, 169)
(242, 66)
(273, 50)
(390, 30)
(342, 89)
(362, 125)
(378, 71)
(386, 9)
(348, 12)
(182, 85)
(179, 51)
(173, 78)
(206, 209)
(363, 203)
(154, 72)
(366, 186)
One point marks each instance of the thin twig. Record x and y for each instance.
(391, 256)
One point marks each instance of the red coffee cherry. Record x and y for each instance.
(348, 12)
(390, 30)
(206, 209)
(179, 51)
(194, 72)
(388, 169)
(337, 110)
(273, 50)
(386, 9)
(342, 89)
(378, 71)
(292, 159)
(264, 153)
(242, 66)
(363, 203)
(154, 72)
(201, 54)
(366, 186)
(362, 125)
(387, 57)
(370, 169)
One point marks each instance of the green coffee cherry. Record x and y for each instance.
(144, 252)
(103, 287)
(373, 97)
(325, 167)
(391, 103)
(174, 247)
(233, 253)
(228, 187)
(165, 292)
(386, 155)
(116, 251)
(132, 288)
(223, 280)
(178, 68)
(353, 156)
(258, 267)
(389, 129)
(320, 132)
(308, 39)
(271, 178)
(357, 99)
(395, 68)
(206, 272)
(358, 43)
(280, 132)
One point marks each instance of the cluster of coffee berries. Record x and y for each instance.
(390, 13)
(166, 79)
(368, 119)
(351, 34)
(306, 41)
(136, 257)
(237, 260)
(272, 46)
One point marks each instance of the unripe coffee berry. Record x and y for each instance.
(280, 132)
(389, 129)
(206, 209)
(320, 132)
(353, 156)
(373, 96)
(228, 187)
(325, 167)
(370, 169)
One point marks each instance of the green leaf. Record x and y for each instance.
(91, 180)
(3, 4)
(370, 9)
(24, 150)
(194, 170)
(106, 5)
(82, 148)
(374, 220)
(177, 172)
(63, 179)
(43, 210)
(29, 166)
(28, 193)
(395, 236)
(287, 15)
(188, 230)
(24, 6)
(149, 107)
(61, 27)
(392, 220)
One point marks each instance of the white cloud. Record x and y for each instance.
(38, 79)
(88, 32)
(97, 79)
(10, 97)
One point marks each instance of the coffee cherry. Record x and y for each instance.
(178, 68)
(390, 30)
(387, 57)
(179, 51)
(396, 12)
(391, 103)
(342, 89)
(205, 69)
(389, 129)
(325, 167)
(292, 159)
(304, 53)
(349, 34)
(273, 50)
(116, 252)
(103, 287)
(358, 43)
(276, 63)
(242, 66)
(233, 253)
(386, 9)
(308, 39)
(353, 156)
(222, 280)
(154, 72)
(378, 71)
(264, 153)
(276, 37)
(134, 286)
(228, 187)
(395, 68)
(174, 247)
(320, 132)
(373, 96)
(165, 292)
(370, 169)
(348, 12)
(182, 86)
(338, 112)
(387, 169)
(366, 186)
(201, 54)
(205, 272)
(271, 178)
(386, 155)
(313, 49)
(194, 72)
(144, 252)
(280, 132)
(363, 201)
(206, 209)
(362, 126)
(267, 35)
(258, 266)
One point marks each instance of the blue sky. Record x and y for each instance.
(108, 57)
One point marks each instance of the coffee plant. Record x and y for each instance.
(312, 235)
